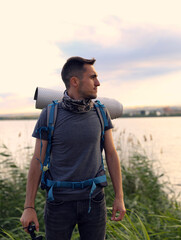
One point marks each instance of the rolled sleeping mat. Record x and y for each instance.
(44, 96)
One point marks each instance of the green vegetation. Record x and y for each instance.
(151, 214)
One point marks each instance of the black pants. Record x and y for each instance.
(61, 218)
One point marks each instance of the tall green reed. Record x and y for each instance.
(151, 212)
(12, 196)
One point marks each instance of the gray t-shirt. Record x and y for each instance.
(75, 153)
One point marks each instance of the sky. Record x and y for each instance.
(136, 44)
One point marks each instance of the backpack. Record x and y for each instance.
(50, 184)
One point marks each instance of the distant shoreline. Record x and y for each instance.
(19, 118)
(124, 116)
(150, 116)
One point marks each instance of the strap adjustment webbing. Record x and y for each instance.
(75, 185)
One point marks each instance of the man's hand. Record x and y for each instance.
(29, 216)
(118, 206)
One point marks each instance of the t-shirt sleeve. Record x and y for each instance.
(110, 125)
(41, 123)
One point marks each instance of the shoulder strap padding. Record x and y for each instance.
(101, 111)
(52, 115)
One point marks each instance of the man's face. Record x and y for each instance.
(89, 83)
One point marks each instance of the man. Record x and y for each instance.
(75, 157)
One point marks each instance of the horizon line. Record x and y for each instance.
(124, 107)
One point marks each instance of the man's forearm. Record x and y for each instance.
(29, 215)
(114, 168)
(32, 183)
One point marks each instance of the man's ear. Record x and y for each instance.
(74, 81)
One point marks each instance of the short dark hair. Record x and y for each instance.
(74, 67)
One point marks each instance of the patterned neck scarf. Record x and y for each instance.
(76, 106)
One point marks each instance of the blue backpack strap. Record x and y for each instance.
(102, 116)
(100, 108)
(52, 115)
(51, 119)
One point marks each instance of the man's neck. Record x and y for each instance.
(74, 95)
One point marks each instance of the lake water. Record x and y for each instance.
(159, 137)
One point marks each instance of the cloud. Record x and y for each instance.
(131, 44)
(134, 44)
(142, 68)
(13, 103)
(163, 90)
(133, 60)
